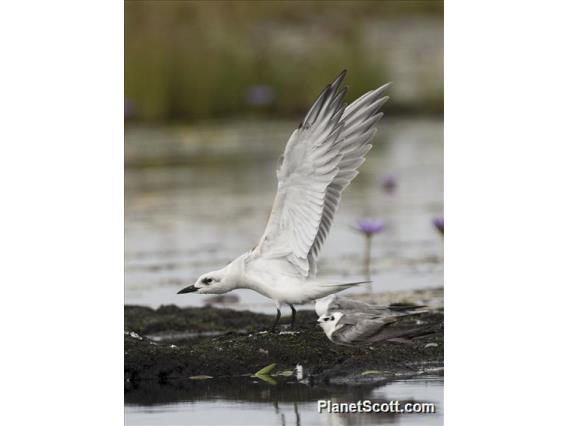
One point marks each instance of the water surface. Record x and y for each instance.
(196, 197)
(248, 402)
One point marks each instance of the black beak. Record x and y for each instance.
(189, 289)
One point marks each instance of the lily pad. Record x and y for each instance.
(266, 370)
(266, 378)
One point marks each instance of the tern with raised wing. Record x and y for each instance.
(320, 160)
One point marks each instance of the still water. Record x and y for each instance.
(196, 197)
(257, 403)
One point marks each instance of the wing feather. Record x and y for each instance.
(359, 121)
(320, 159)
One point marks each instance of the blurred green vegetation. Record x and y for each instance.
(190, 60)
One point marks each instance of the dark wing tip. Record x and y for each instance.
(339, 79)
(327, 95)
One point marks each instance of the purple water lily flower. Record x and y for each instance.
(128, 109)
(259, 95)
(438, 223)
(370, 226)
(389, 184)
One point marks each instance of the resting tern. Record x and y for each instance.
(361, 329)
(321, 158)
(333, 302)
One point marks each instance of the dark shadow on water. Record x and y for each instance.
(287, 402)
(245, 389)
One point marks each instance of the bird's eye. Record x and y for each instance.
(332, 318)
(206, 280)
(326, 319)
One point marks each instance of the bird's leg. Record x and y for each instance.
(293, 316)
(276, 320)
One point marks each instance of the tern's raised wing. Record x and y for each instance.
(321, 158)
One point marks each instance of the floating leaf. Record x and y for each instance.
(202, 377)
(266, 378)
(266, 370)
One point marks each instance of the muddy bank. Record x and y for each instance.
(171, 343)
